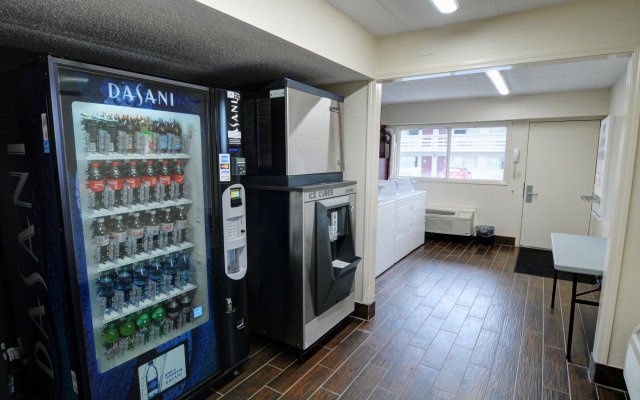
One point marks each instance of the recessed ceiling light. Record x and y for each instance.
(498, 82)
(446, 6)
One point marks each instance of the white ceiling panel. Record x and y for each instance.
(526, 79)
(371, 15)
(512, 6)
(388, 17)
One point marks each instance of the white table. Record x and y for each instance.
(577, 254)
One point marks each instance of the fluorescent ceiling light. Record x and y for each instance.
(498, 82)
(446, 6)
(420, 77)
(481, 70)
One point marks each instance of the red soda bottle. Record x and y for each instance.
(164, 176)
(115, 181)
(133, 181)
(178, 177)
(96, 184)
(149, 175)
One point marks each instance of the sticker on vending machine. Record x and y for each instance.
(225, 167)
(159, 374)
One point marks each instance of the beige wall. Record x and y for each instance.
(627, 310)
(563, 31)
(312, 24)
(626, 314)
(355, 134)
(580, 28)
(361, 125)
(533, 106)
(618, 113)
(497, 205)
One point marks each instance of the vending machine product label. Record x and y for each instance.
(179, 179)
(164, 371)
(225, 167)
(136, 233)
(133, 183)
(96, 185)
(115, 184)
(165, 180)
(102, 240)
(275, 93)
(151, 180)
(119, 237)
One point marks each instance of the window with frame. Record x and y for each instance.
(453, 152)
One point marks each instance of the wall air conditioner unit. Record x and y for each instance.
(449, 221)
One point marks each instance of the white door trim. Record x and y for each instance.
(527, 167)
(374, 101)
(619, 220)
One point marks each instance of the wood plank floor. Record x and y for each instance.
(453, 321)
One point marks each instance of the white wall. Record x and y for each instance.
(532, 106)
(355, 134)
(497, 205)
(627, 310)
(312, 24)
(618, 113)
(626, 314)
(360, 124)
(568, 30)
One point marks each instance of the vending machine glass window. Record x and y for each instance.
(136, 177)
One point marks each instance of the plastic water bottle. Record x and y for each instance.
(123, 282)
(106, 289)
(140, 277)
(152, 381)
(170, 268)
(173, 313)
(155, 274)
(183, 269)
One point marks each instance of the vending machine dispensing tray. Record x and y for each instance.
(336, 261)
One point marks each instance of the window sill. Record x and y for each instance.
(457, 181)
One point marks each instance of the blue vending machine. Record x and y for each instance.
(107, 218)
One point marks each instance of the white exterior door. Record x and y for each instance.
(561, 159)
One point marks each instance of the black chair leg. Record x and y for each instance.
(573, 310)
(553, 292)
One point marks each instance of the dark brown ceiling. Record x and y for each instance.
(182, 40)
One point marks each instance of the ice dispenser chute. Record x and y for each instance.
(336, 261)
(234, 232)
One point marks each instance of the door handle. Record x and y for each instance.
(528, 198)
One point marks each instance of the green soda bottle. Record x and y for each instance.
(127, 329)
(110, 336)
(158, 319)
(143, 323)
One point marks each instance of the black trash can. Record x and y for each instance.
(484, 234)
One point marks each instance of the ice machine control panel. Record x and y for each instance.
(234, 232)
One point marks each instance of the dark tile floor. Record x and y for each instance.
(452, 322)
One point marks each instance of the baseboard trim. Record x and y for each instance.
(364, 311)
(607, 375)
(451, 238)
(506, 240)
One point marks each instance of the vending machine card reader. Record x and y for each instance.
(235, 232)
